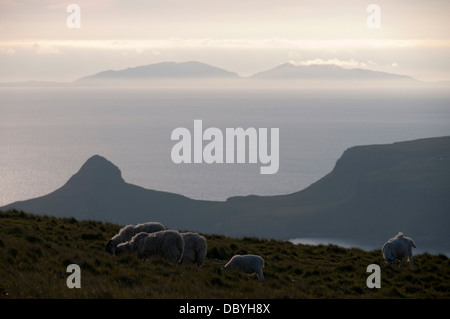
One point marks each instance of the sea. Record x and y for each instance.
(47, 133)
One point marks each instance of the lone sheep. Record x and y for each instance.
(398, 248)
(248, 264)
(194, 248)
(127, 232)
(167, 243)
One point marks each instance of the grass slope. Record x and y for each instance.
(36, 250)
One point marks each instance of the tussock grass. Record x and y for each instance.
(36, 250)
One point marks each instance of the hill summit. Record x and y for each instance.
(97, 170)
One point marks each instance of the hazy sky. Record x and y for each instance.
(244, 36)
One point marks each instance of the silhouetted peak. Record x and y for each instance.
(326, 72)
(191, 69)
(288, 65)
(97, 170)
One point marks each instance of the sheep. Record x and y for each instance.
(194, 249)
(398, 247)
(248, 264)
(127, 232)
(166, 243)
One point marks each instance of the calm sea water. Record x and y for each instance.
(46, 134)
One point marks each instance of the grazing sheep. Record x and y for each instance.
(166, 243)
(248, 264)
(194, 249)
(398, 247)
(127, 232)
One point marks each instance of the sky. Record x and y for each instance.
(242, 36)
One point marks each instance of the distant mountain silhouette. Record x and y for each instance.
(325, 72)
(372, 193)
(193, 72)
(163, 70)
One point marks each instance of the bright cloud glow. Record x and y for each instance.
(345, 64)
(53, 46)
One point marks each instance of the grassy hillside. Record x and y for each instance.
(35, 251)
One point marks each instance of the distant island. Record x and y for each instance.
(194, 72)
(372, 193)
(198, 71)
(163, 70)
(326, 72)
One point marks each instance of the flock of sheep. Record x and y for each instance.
(154, 239)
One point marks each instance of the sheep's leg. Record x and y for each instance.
(410, 258)
(260, 275)
(411, 262)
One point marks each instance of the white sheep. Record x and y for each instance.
(194, 248)
(249, 264)
(126, 233)
(166, 243)
(398, 248)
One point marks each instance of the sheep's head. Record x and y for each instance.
(110, 247)
(122, 249)
(229, 265)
